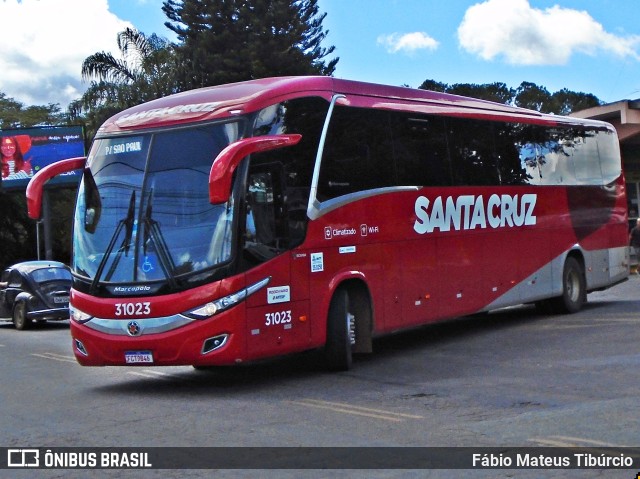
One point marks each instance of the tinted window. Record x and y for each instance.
(143, 210)
(358, 153)
(279, 181)
(564, 156)
(542, 156)
(472, 152)
(369, 149)
(420, 150)
(609, 150)
(304, 116)
(511, 170)
(583, 147)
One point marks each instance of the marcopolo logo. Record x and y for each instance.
(468, 212)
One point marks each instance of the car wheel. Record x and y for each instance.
(20, 320)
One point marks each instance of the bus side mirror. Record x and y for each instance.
(228, 160)
(36, 184)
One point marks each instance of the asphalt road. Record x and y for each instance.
(510, 378)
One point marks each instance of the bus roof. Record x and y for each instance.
(227, 101)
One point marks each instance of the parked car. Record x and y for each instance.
(35, 290)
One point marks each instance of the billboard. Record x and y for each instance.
(25, 151)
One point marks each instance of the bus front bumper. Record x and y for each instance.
(142, 342)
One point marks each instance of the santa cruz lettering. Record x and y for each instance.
(468, 212)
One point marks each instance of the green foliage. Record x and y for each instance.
(14, 114)
(566, 101)
(145, 71)
(18, 237)
(225, 41)
(497, 92)
(17, 232)
(527, 95)
(433, 85)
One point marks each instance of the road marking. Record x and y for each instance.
(56, 357)
(356, 410)
(568, 441)
(603, 322)
(577, 326)
(150, 373)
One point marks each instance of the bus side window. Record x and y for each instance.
(586, 158)
(283, 176)
(420, 150)
(472, 151)
(266, 232)
(510, 165)
(609, 150)
(545, 155)
(358, 153)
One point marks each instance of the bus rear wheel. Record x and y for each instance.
(574, 289)
(341, 333)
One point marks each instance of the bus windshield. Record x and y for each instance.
(143, 211)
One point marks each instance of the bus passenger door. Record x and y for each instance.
(276, 315)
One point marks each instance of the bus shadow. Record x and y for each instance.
(236, 380)
(224, 380)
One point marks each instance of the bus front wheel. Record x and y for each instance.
(341, 333)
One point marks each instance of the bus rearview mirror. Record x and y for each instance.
(36, 184)
(228, 160)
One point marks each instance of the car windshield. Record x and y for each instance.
(143, 212)
(43, 275)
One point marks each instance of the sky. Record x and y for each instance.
(590, 46)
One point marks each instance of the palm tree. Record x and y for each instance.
(145, 71)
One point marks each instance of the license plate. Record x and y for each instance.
(61, 299)
(138, 357)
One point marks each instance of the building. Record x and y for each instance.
(624, 115)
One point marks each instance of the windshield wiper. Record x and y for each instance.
(127, 224)
(152, 233)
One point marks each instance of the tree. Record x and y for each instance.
(13, 114)
(225, 41)
(566, 101)
(433, 85)
(496, 92)
(527, 95)
(145, 71)
(17, 232)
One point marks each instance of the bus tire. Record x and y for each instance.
(338, 349)
(20, 320)
(574, 290)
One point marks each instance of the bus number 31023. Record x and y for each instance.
(133, 309)
(279, 317)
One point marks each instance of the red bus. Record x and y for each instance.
(244, 221)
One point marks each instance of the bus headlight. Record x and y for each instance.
(221, 304)
(79, 316)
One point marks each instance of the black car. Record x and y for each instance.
(35, 290)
